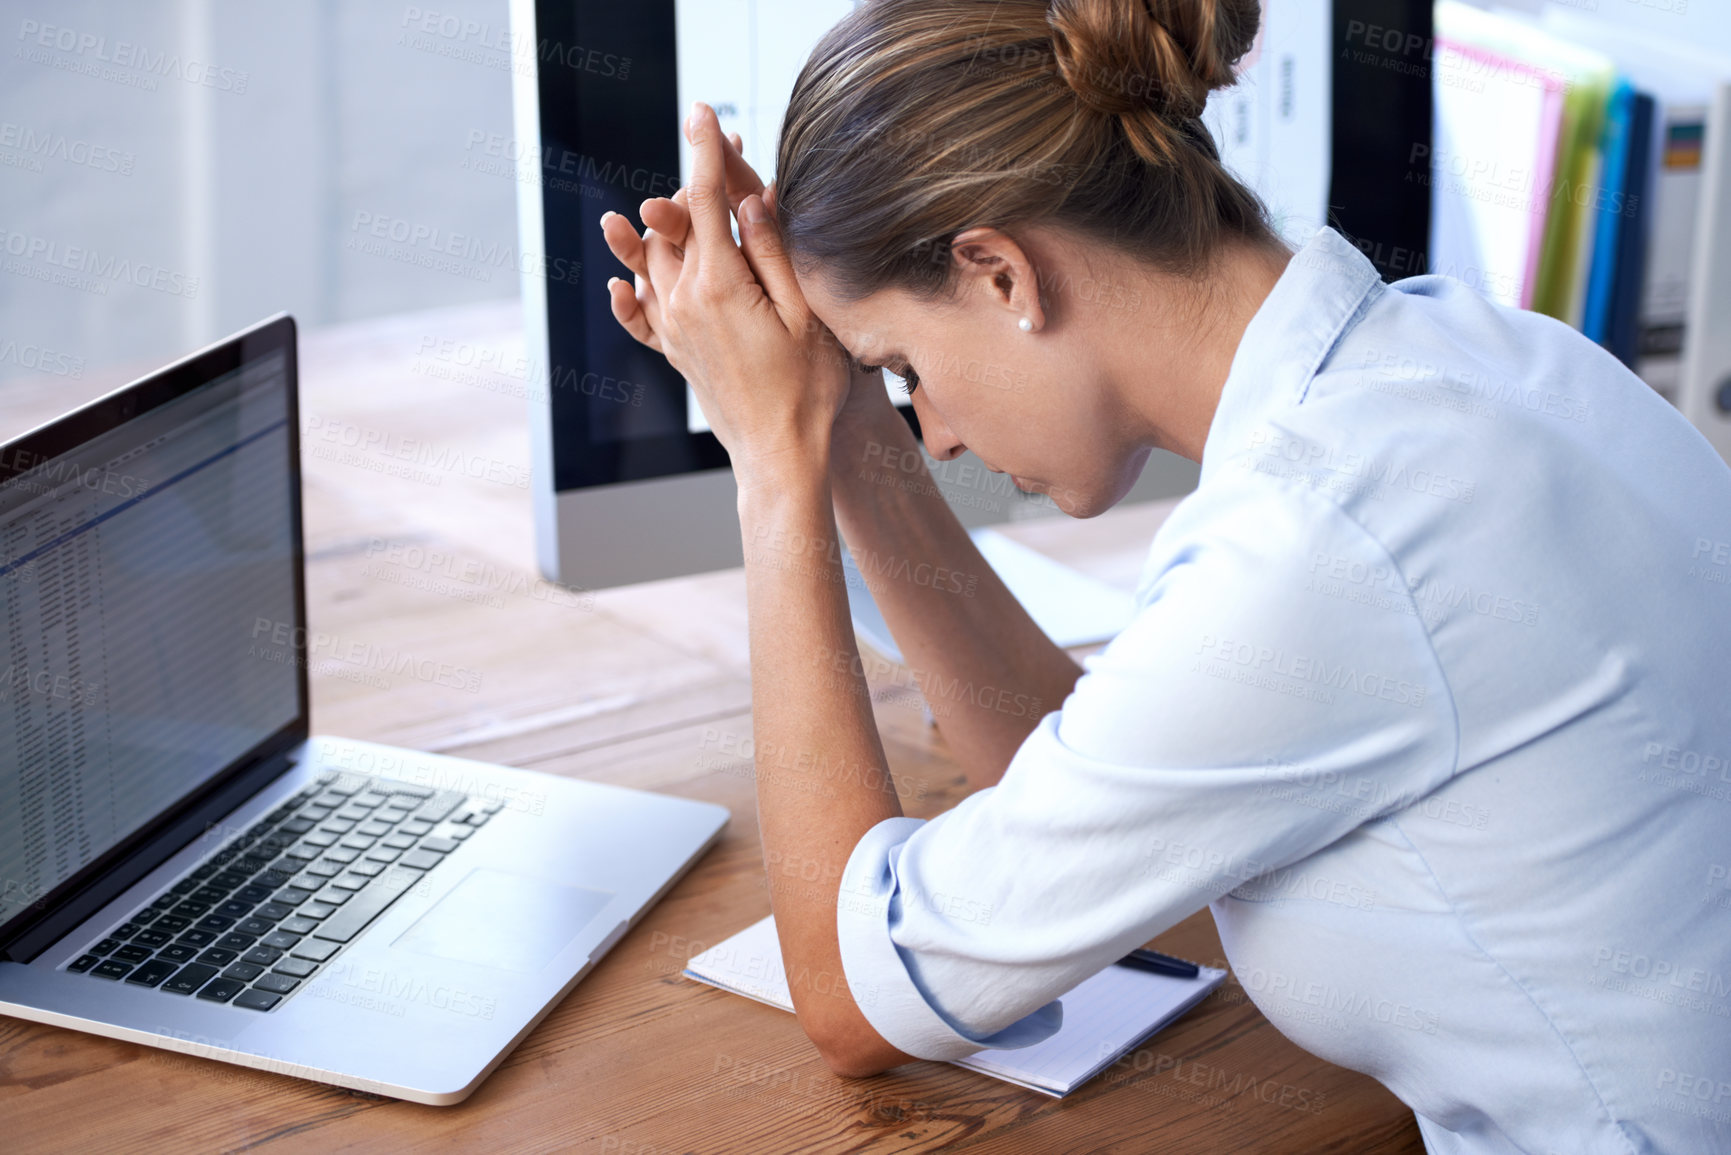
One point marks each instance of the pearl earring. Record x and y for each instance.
(1025, 325)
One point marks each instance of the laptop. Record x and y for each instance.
(181, 863)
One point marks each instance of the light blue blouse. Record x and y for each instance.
(1429, 697)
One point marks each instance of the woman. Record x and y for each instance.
(1425, 692)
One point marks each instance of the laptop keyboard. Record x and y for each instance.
(251, 923)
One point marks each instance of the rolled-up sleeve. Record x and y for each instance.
(872, 902)
(1254, 712)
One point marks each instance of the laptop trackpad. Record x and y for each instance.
(511, 921)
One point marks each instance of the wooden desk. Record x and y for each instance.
(646, 687)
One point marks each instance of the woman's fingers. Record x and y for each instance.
(667, 217)
(624, 242)
(630, 313)
(710, 248)
(666, 264)
(742, 179)
(768, 257)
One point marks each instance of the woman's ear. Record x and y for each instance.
(991, 262)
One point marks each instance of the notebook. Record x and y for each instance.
(1104, 1016)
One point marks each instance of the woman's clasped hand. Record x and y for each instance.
(731, 317)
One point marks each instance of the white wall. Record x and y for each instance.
(246, 138)
(1706, 23)
(321, 115)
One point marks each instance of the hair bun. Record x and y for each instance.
(1124, 56)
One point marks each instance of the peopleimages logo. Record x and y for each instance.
(360, 655)
(435, 458)
(38, 146)
(1470, 385)
(1278, 995)
(485, 368)
(1289, 455)
(398, 987)
(493, 46)
(1662, 972)
(1688, 761)
(104, 267)
(1276, 662)
(90, 51)
(43, 473)
(62, 688)
(1357, 581)
(29, 356)
(441, 250)
(508, 152)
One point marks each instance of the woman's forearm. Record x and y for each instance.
(986, 669)
(822, 781)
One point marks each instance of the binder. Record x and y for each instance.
(1493, 159)
(1619, 226)
(1623, 327)
(1681, 88)
(1684, 336)
(1512, 97)
(1704, 389)
(1607, 213)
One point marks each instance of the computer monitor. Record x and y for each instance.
(629, 484)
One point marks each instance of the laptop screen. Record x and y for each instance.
(147, 579)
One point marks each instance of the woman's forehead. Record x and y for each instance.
(861, 326)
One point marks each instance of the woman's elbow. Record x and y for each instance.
(851, 1064)
(854, 1050)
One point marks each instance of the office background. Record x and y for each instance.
(224, 159)
(224, 151)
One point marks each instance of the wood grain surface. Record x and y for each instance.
(645, 686)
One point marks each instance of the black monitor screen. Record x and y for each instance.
(148, 606)
(609, 101)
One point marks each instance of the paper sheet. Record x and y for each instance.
(1104, 1016)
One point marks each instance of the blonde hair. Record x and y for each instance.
(916, 119)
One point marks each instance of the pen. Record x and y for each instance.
(1160, 964)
